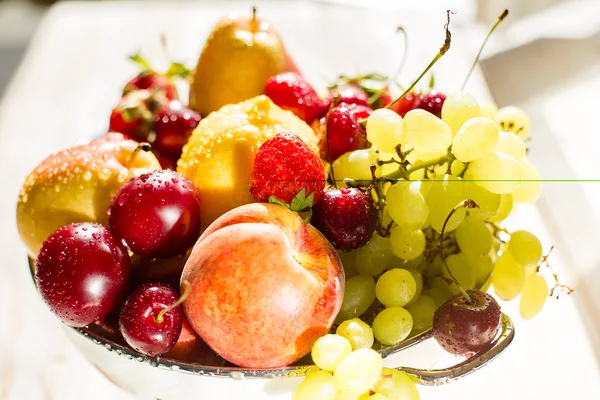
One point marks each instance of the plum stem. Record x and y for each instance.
(443, 50)
(141, 147)
(468, 203)
(185, 292)
(500, 19)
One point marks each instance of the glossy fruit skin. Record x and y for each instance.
(283, 166)
(138, 323)
(346, 217)
(134, 114)
(167, 162)
(154, 82)
(157, 214)
(173, 125)
(433, 102)
(464, 329)
(344, 131)
(82, 273)
(292, 92)
(349, 94)
(409, 102)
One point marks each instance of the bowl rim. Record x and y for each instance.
(234, 372)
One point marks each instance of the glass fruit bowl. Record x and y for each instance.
(169, 379)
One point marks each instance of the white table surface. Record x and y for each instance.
(71, 78)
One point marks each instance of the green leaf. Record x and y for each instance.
(275, 200)
(178, 70)
(138, 59)
(302, 203)
(432, 82)
(309, 216)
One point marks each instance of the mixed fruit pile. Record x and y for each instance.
(264, 222)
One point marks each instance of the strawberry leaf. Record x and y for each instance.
(178, 70)
(301, 202)
(139, 60)
(275, 200)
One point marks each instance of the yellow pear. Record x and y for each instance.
(219, 156)
(237, 59)
(76, 185)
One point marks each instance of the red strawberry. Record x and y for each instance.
(291, 91)
(409, 102)
(344, 131)
(132, 117)
(173, 125)
(351, 94)
(286, 168)
(152, 80)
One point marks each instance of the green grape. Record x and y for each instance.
(475, 139)
(358, 333)
(461, 269)
(497, 172)
(384, 128)
(473, 236)
(436, 267)
(508, 277)
(489, 109)
(442, 196)
(533, 295)
(407, 244)
(506, 206)
(511, 144)
(374, 396)
(457, 167)
(392, 325)
(329, 350)
(386, 168)
(395, 287)
(488, 202)
(406, 204)
(525, 247)
(372, 258)
(348, 262)
(439, 296)
(425, 132)
(319, 385)
(481, 265)
(358, 372)
(396, 385)
(419, 281)
(514, 120)
(422, 312)
(529, 190)
(397, 262)
(458, 109)
(355, 165)
(359, 293)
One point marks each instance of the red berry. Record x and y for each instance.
(167, 162)
(133, 116)
(283, 167)
(384, 99)
(157, 214)
(346, 216)
(409, 102)
(344, 131)
(173, 125)
(433, 102)
(152, 81)
(141, 323)
(291, 91)
(462, 328)
(82, 273)
(350, 94)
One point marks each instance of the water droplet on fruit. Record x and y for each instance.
(87, 175)
(104, 174)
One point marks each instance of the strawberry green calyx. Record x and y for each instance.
(300, 203)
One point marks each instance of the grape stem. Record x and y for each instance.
(186, 288)
(557, 285)
(141, 147)
(468, 203)
(500, 19)
(407, 172)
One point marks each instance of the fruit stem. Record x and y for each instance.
(185, 292)
(401, 29)
(468, 203)
(500, 19)
(406, 173)
(333, 102)
(557, 285)
(144, 146)
(443, 50)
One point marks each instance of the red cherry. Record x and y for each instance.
(147, 321)
(344, 130)
(433, 102)
(157, 214)
(154, 82)
(173, 125)
(167, 162)
(462, 328)
(82, 273)
(409, 102)
(346, 217)
(350, 94)
(133, 115)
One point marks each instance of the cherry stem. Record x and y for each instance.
(185, 292)
(500, 19)
(443, 50)
(468, 203)
(144, 146)
(333, 101)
